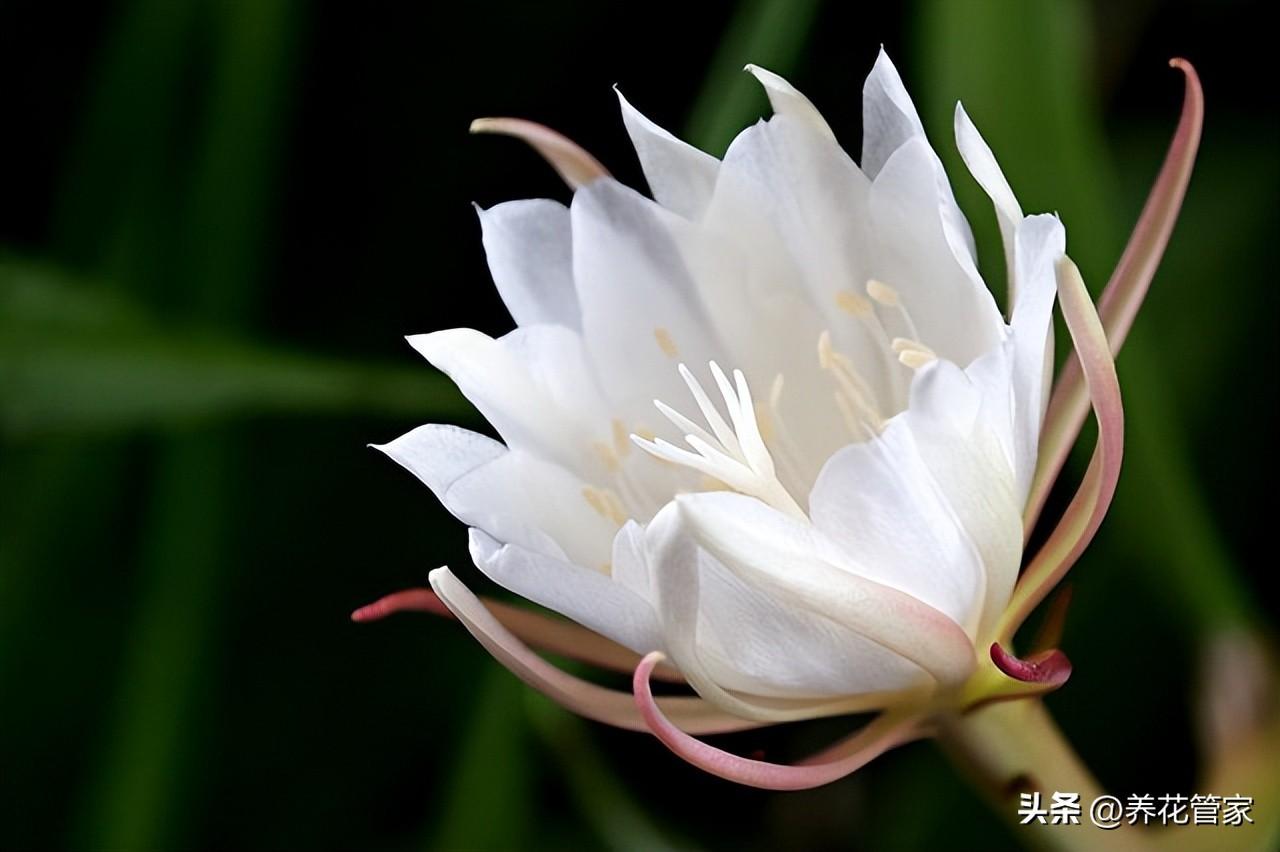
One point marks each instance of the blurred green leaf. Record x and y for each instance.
(491, 793)
(85, 359)
(614, 816)
(769, 33)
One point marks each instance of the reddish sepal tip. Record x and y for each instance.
(417, 600)
(1048, 668)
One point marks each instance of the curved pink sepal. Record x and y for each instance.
(1124, 293)
(610, 706)
(552, 635)
(1049, 669)
(405, 600)
(1084, 515)
(885, 732)
(574, 165)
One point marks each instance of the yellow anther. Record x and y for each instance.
(607, 456)
(853, 303)
(915, 358)
(882, 293)
(764, 417)
(665, 343)
(605, 503)
(621, 438)
(906, 344)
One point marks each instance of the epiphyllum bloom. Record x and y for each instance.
(770, 434)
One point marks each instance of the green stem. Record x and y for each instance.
(1014, 747)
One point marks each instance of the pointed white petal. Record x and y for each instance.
(533, 385)
(527, 244)
(986, 171)
(588, 597)
(889, 117)
(439, 454)
(921, 255)
(785, 100)
(1039, 242)
(680, 176)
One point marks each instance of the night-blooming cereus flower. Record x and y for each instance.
(770, 434)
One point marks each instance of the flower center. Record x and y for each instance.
(733, 452)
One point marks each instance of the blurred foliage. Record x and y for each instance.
(202, 197)
(76, 358)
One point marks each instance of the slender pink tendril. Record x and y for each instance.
(887, 731)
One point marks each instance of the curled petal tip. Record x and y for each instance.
(1049, 669)
(574, 165)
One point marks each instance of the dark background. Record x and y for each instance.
(217, 220)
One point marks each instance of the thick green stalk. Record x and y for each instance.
(1014, 748)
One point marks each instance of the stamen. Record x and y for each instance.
(666, 343)
(607, 456)
(789, 456)
(902, 344)
(606, 504)
(854, 304)
(882, 293)
(913, 353)
(915, 359)
(887, 296)
(621, 443)
(854, 397)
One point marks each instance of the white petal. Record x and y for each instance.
(531, 259)
(1039, 242)
(521, 499)
(680, 176)
(785, 100)
(532, 385)
(641, 311)
(889, 117)
(439, 454)
(588, 597)
(802, 569)
(986, 171)
(919, 256)
(796, 208)
(890, 121)
(881, 502)
(740, 647)
(956, 424)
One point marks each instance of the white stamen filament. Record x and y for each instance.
(854, 398)
(886, 296)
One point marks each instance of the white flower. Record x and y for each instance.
(771, 424)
